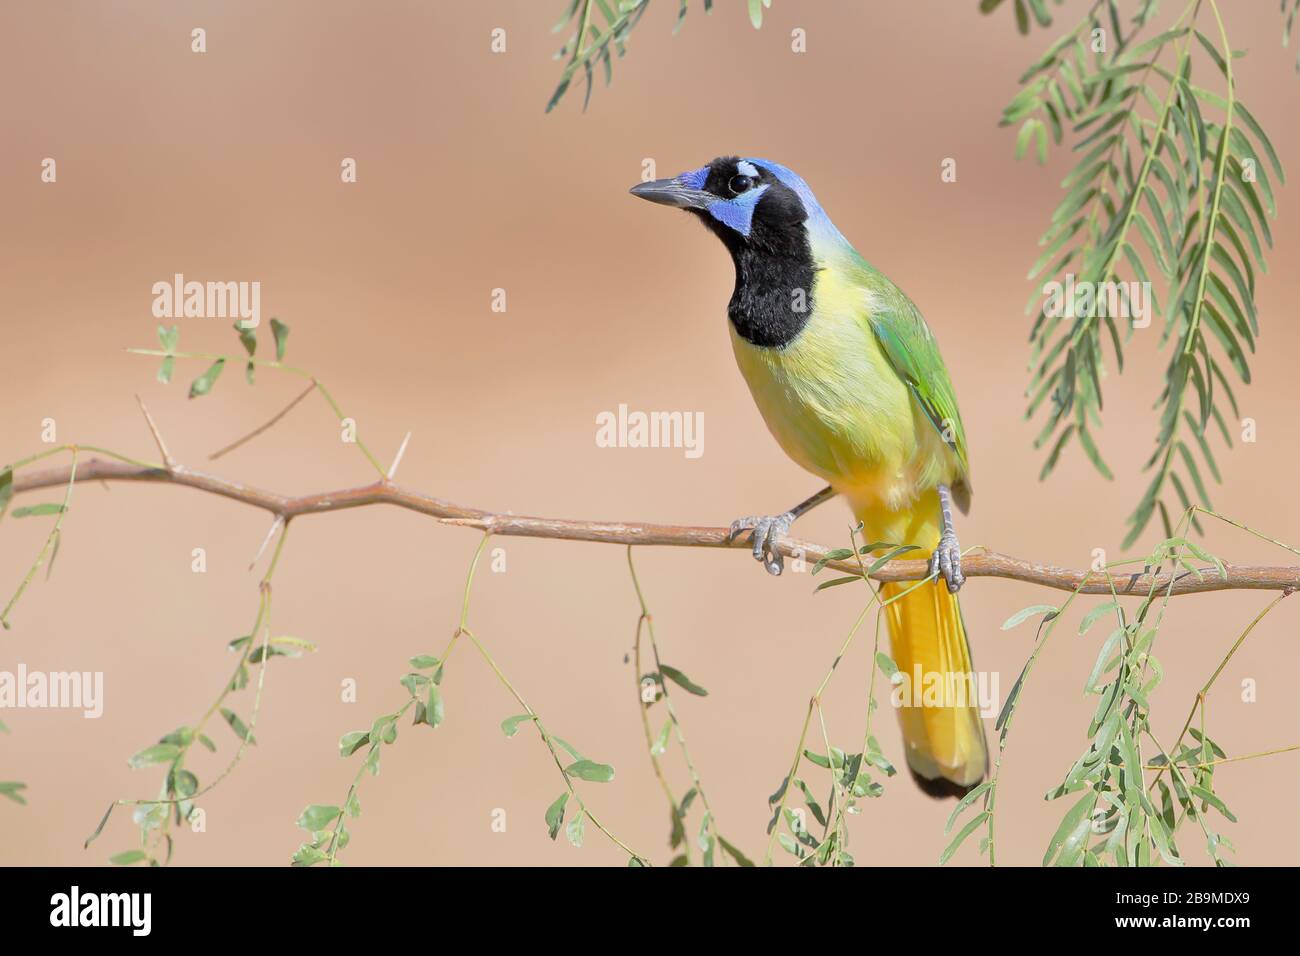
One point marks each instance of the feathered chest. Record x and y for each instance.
(829, 395)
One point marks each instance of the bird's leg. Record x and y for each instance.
(946, 559)
(766, 531)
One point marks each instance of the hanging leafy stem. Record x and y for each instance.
(327, 824)
(1117, 815)
(850, 773)
(652, 688)
(1289, 9)
(601, 24)
(1173, 179)
(1038, 9)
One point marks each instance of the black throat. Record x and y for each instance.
(773, 297)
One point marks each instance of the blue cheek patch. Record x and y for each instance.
(738, 213)
(695, 179)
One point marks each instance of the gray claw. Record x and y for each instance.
(766, 532)
(946, 561)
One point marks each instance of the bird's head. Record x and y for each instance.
(750, 204)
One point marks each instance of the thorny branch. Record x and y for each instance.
(974, 565)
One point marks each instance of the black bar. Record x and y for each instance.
(336, 905)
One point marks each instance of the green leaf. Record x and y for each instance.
(1094, 453)
(1204, 555)
(1054, 455)
(127, 858)
(813, 806)
(203, 384)
(1009, 705)
(888, 556)
(681, 680)
(567, 746)
(510, 726)
(413, 683)
(434, 706)
(836, 582)
(1214, 748)
(590, 771)
(281, 333)
(424, 662)
(307, 855)
(1258, 132)
(247, 337)
(965, 802)
(278, 647)
(879, 760)
(237, 725)
(1072, 832)
(1025, 613)
(835, 554)
(353, 741)
(158, 753)
(1026, 132)
(1103, 656)
(36, 511)
(284, 640)
(102, 823)
(574, 831)
(886, 664)
(169, 339)
(318, 816)
(1092, 616)
(1162, 836)
(1214, 53)
(1213, 800)
(734, 853)
(184, 783)
(555, 814)
(661, 742)
(818, 759)
(11, 788)
(971, 826)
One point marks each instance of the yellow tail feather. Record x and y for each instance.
(942, 730)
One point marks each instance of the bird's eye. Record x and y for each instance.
(740, 184)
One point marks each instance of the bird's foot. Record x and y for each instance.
(946, 561)
(766, 532)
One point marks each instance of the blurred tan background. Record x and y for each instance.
(226, 166)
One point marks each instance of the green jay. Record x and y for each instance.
(849, 380)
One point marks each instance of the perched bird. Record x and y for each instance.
(849, 380)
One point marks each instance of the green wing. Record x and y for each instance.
(914, 355)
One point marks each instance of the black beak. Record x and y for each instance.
(673, 192)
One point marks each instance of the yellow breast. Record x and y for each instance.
(837, 408)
